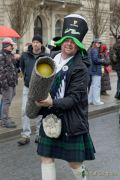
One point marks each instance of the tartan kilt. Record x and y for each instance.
(72, 149)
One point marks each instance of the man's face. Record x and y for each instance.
(36, 45)
(9, 48)
(69, 47)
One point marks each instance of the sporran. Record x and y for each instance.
(52, 126)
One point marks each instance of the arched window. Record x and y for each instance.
(58, 28)
(38, 26)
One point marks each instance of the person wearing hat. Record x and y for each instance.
(8, 80)
(96, 73)
(27, 62)
(68, 100)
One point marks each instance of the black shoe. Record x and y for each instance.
(11, 120)
(8, 124)
(104, 93)
(23, 141)
(37, 139)
(117, 95)
(118, 98)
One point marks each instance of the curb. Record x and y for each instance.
(15, 132)
(101, 112)
(92, 114)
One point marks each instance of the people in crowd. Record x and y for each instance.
(115, 62)
(106, 69)
(70, 105)
(90, 71)
(27, 62)
(0, 106)
(8, 80)
(96, 73)
(53, 48)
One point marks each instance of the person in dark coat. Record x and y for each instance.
(115, 62)
(90, 70)
(27, 62)
(105, 80)
(68, 100)
(8, 80)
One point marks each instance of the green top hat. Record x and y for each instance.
(74, 27)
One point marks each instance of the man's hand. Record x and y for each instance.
(16, 56)
(45, 103)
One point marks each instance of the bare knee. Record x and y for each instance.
(46, 160)
(74, 165)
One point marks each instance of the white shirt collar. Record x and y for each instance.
(60, 62)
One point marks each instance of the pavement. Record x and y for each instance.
(110, 105)
(22, 162)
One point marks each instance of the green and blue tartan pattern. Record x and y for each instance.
(72, 149)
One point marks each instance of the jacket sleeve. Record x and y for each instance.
(77, 86)
(107, 60)
(1, 70)
(113, 56)
(96, 58)
(22, 63)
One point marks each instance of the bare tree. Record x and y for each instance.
(99, 17)
(19, 13)
(115, 18)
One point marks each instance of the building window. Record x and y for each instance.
(58, 28)
(38, 26)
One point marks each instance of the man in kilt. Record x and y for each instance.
(68, 100)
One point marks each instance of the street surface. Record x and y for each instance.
(22, 163)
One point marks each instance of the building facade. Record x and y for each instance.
(47, 19)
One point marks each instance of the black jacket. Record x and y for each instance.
(73, 108)
(8, 70)
(115, 56)
(27, 62)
